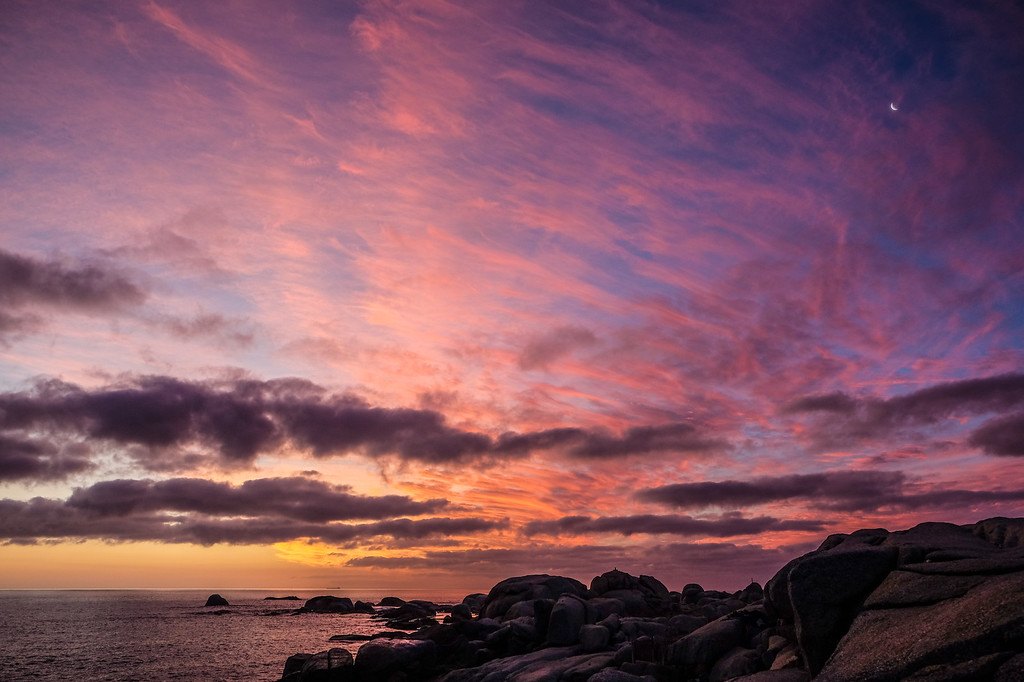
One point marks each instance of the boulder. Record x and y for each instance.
(602, 607)
(937, 542)
(684, 625)
(567, 617)
(698, 651)
(290, 597)
(333, 665)
(641, 596)
(690, 593)
(1002, 532)
(751, 593)
(328, 604)
(613, 675)
(551, 663)
(906, 588)
(216, 600)
(380, 658)
(825, 591)
(1012, 670)
(474, 601)
(734, 663)
(987, 621)
(511, 590)
(461, 612)
(776, 676)
(594, 638)
(391, 601)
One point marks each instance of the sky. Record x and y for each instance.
(425, 294)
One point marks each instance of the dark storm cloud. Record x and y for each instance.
(837, 487)
(543, 350)
(40, 461)
(596, 444)
(670, 524)
(848, 491)
(1002, 436)
(842, 418)
(207, 512)
(645, 439)
(293, 498)
(26, 281)
(155, 417)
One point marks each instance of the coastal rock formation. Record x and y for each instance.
(947, 601)
(216, 600)
(328, 604)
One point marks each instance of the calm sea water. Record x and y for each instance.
(168, 635)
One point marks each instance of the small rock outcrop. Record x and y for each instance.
(328, 604)
(216, 600)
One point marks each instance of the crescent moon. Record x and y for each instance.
(892, 105)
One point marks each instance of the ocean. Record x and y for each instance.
(169, 634)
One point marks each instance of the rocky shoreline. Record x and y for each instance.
(938, 602)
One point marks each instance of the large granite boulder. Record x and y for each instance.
(968, 633)
(512, 590)
(567, 617)
(826, 591)
(697, 652)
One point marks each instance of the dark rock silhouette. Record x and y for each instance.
(216, 600)
(937, 602)
(328, 604)
(288, 598)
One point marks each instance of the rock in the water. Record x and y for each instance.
(216, 600)
(290, 597)
(328, 604)
(986, 621)
(512, 590)
(380, 658)
(363, 607)
(391, 601)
